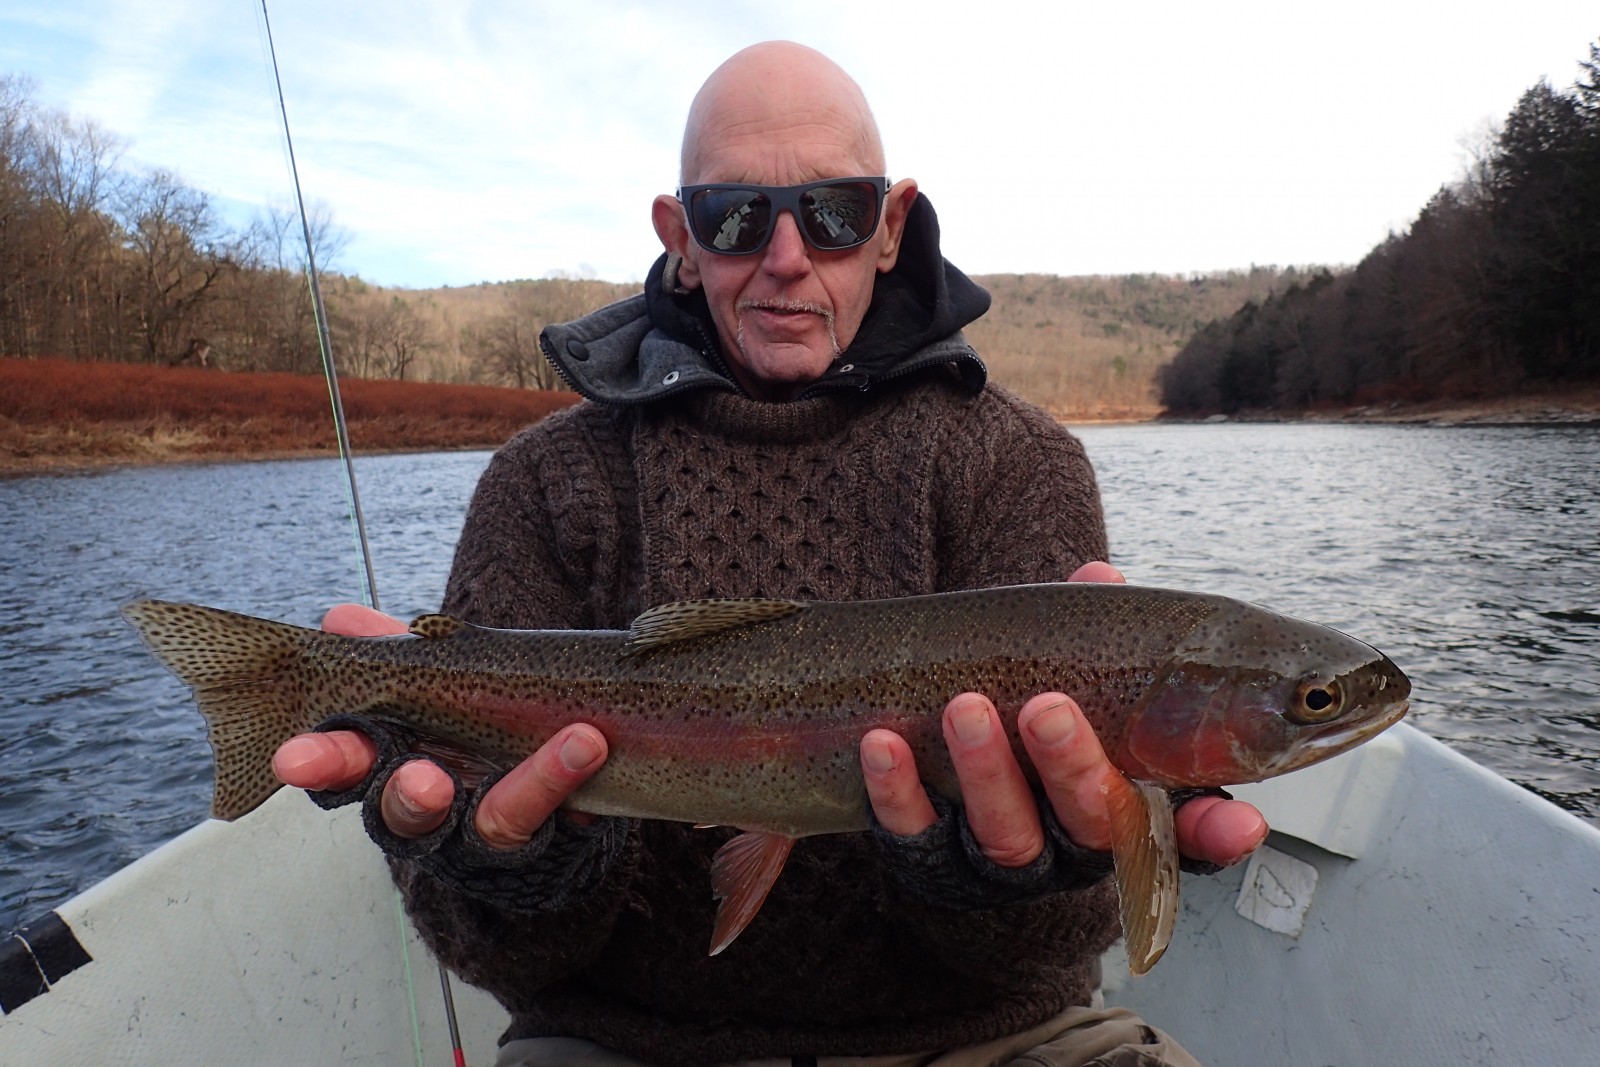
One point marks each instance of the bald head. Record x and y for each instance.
(780, 114)
(792, 99)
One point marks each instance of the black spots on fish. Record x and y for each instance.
(208, 646)
(243, 673)
(437, 627)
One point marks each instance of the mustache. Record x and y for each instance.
(786, 305)
(779, 304)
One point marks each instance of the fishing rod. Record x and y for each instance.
(319, 315)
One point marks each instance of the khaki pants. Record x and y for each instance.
(1078, 1037)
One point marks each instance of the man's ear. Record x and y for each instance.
(896, 206)
(673, 229)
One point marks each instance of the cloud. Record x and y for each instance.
(456, 143)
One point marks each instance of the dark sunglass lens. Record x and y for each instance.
(841, 215)
(730, 220)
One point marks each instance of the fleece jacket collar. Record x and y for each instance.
(662, 342)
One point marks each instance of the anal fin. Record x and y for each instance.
(1144, 847)
(742, 873)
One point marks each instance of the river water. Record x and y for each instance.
(1470, 554)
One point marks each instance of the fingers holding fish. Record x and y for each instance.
(1097, 571)
(899, 800)
(1218, 830)
(1071, 764)
(516, 806)
(999, 803)
(358, 620)
(416, 798)
(333, 761)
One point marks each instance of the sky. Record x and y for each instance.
(460, 142)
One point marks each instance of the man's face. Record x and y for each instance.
(784, 313)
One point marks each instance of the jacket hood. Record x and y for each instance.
(663, 342)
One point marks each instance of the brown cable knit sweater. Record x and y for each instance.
(598, 512)
(896, 473)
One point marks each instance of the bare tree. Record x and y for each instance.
(57, 241)
(507, 348)
(180, 251)
(377, 336)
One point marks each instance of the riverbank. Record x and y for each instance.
(1576, 405)
(59, 416)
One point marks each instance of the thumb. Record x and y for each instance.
(358, 620)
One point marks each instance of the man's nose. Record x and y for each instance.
(786, 253)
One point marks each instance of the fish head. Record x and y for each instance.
(1253, 694)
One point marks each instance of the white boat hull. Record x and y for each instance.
(275, 939)
(1455, 918)
(1436, 914)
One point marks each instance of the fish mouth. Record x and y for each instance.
(1332, 742)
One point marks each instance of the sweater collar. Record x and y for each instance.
(662, 342)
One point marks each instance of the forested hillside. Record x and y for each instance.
(103, 263)
(1088, 346)
(1495, 286)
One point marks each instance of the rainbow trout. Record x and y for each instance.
(749, 713)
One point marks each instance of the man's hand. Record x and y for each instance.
(419, 794)
(1072, 768)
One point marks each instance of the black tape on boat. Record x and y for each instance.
(35, 958)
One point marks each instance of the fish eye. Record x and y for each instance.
(1316, 701)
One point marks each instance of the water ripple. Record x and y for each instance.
(103, 757)
(1468, 554)
(1465, 553)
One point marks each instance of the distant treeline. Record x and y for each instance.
(100, 262)
(1089, 346)
(103, 263)
(1496, 284)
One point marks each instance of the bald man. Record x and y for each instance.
(789, 409)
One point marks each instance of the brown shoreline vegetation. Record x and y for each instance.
(57, 415)
(61, 416)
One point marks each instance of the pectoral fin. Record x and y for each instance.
(1144, 846)
(742, 872)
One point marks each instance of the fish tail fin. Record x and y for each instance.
(1144, 848)
(742, 873)
(244, 677)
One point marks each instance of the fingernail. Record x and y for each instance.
(579, 752)
(876, 756)
(1053, 726)
(970, 718)
(295, 753)
(410, 805)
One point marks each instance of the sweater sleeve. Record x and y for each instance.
(523, 562)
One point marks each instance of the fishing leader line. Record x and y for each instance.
(319, 315)
(370, 590)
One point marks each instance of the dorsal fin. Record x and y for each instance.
(687, 619)
(437, 626)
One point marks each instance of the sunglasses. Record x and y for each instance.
(738, 220)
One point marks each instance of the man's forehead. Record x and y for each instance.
(765, 118)
(782, 155)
